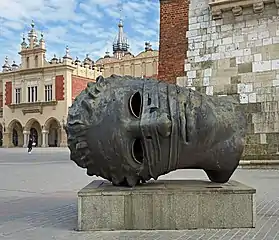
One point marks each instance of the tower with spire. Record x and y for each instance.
(33, 52)
(6, 67)
(120, 44)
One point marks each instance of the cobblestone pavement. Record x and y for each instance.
(38, 200)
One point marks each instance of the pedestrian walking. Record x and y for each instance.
(30, 145)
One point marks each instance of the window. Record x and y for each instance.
(36, 61)
(17, 95)
(48, 93)
(32, 94)
(27, 62)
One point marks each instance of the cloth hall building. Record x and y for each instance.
(35, 94)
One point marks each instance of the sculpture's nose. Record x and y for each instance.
(164, 125)
(133, 127)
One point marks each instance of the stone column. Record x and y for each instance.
(7, 140)
(25, 138)
(45, 138)
(63, 140)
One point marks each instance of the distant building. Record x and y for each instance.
(123, 62)
(35, 95)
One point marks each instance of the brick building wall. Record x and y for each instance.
(8, 93)
(79, 84)
(155, 76)
(59, 88)
(239, 55)
(173, 42)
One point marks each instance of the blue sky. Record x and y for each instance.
(86, 26)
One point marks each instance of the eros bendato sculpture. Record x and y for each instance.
(129, 130)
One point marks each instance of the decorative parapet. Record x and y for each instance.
(236, 6)
(34, 107)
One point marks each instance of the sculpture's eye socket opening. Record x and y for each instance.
(137, 151)
(136, 104)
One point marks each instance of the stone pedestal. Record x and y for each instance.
(166, 205)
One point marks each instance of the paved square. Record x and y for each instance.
(38, 200)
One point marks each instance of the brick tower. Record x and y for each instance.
(173, 42)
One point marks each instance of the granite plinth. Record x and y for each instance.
(166, 205)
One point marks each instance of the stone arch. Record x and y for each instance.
(15, 134)
(52, 129)
(34, 129)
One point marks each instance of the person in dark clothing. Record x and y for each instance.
(30, 145)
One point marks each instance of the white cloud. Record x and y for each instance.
(87, 26)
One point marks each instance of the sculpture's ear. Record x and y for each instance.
(100, 79)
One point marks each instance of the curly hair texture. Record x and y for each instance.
(81, 116)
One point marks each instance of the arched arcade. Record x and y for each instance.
(33, 130)
(47, 133)
(52, 132)
(14, 134)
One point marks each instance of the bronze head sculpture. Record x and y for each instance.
(129, 130)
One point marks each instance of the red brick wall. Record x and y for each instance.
(59, 88)
(79, 84)
(173, 41)
(8, 93)
(155, 76)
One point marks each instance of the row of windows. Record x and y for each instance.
(33, 94)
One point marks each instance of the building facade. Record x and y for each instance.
(232, 48)
(123, 62)
(36, 94)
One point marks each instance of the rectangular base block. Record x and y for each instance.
(166, 205)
